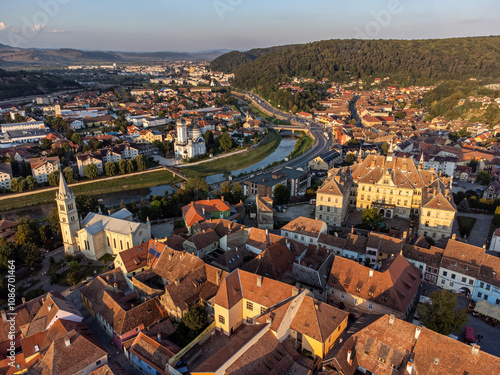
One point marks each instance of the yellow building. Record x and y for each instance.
(248, 299)
(394, 186)
(149, 136)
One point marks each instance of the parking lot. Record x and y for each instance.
(293, 212)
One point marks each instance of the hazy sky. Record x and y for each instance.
(195, 25)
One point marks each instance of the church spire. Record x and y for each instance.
(421, 164)
(390, 153)
(63, 192)
(360, 154)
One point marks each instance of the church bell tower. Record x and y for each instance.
(68, 216)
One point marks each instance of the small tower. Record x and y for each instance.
(182, 136)
(421, 164)
(68, 216)
(390, 153)
(360, 154)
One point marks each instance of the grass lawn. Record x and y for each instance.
(268, 118)
(465, 225)
(303, 144)
(235, 162)
(98, 187)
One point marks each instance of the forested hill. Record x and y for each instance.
(405, 61)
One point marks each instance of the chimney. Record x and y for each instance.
(219, 274)
(316, 305)
(222, 198)
(391, 319)
(352, 228)
(177, 282)
(67, 342)
(23, 300)
(371, 273)
(417, 332)
(405, 236)
(170, 256)
(453, 236)
(115, 285)
(4, 316)
(295, 291)
(349, 360)
(259, 281)
(409, 366)
(475, 349)
(287, 243)
(484, 246)
(50, 306)
(203, 211)
(159, 337)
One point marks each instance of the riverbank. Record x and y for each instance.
(271, 119)
(235, 162)
(304, 143)
(109, 185)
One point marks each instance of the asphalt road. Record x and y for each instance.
(320, 145)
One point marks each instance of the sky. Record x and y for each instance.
(198, 25)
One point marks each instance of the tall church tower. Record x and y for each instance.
(68, 216)
(182, 131)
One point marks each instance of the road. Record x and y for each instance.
(320, 145)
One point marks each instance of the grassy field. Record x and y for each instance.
(268, 118)
(303, 144)
(239, 161)
(97, 188)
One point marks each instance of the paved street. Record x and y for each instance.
(479, 233)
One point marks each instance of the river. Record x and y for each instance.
(284, 149)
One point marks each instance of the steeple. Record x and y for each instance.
(63, 192)
(390, 153)
(421, 164)
(360, 154)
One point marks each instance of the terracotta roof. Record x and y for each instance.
(306, 226)
(193, 212)
(38, 162)
(62, 359)
(462, 257)
(273, 262)
(393, 286)
(151, 352)
(317, 320)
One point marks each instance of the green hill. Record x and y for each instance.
(406, 62)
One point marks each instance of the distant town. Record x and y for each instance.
(162, 221)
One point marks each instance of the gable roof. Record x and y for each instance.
(151, 352)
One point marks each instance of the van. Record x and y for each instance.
(470, 334)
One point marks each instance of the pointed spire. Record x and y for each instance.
(360, 157)
(391, 148)
(63, 192)
(421, 163)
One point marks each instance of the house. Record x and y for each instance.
(265, 304)
(459, 268)
(265, 212)
(487, 286)
(5, 175)
(89, 158)
(495, 241)
(427, 261)
(381, 246)
(326, 161)
(118, 309)
(390, 289)
(304, 230)
(264, 184)
(389, 344)
(492, 191)
(202, 210)
(149, 355)
(149, 136)
(275, 262)
(43, 166)
(333, 197)
(202, 243)
(8, 229)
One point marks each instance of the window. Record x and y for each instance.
(249, 305)
(114, 242)
(471, 282)
(108, 241)
(498, 302)
(98, 363)
(341, 295)
(485, 297)
(481, 284)
(479, 294)
(262, 310)
(445, 273)
(442, 281)
(464, 279)
(370, 306)
(488, 286)
(61, 207)
(37, 348)
(222, 320)
(121, 245)
(137, 329)
(453, 276)
(451, 284)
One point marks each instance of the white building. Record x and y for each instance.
(189, 147)
(97, 234)
(5, 175)
(495, 241)
(43, 166)
(85, 159)
(304, 230)
(30, 125)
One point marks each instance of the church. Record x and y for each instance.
(97, 234)
(189, 147)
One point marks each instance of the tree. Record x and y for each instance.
(196, 318)
(32, 255)
(473, 164)
(483, 178)
(122, 166)
(85, 204)
(209, 137)
(31, 183)
(141, 163)
(73, 278)
(110, 168)
(45, 144)
(350, 158)
(91, 171)
(238, 192)
(130, 166)
(54, 222)
(225, 141)
(281, 194)
(6, 253)
(69, 175)
(27, 231)
(385, 148)
(372, 217)
(53, 178)
(440, 314)
(225, 188)
(198, 187)
(76, 138)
